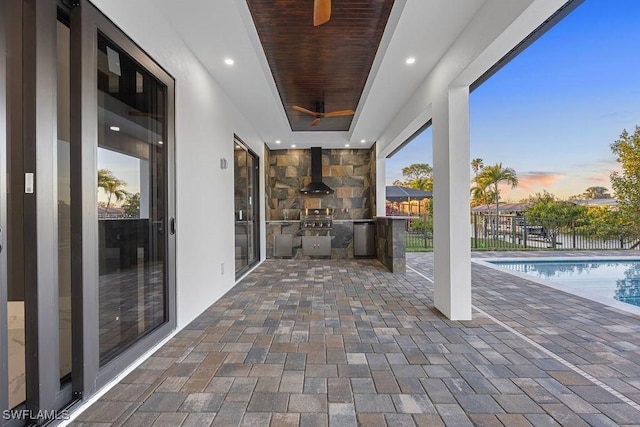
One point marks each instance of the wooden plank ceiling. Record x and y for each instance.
(329, 63)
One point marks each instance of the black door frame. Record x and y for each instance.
(86, 21)
(4, 392)
(255, 194)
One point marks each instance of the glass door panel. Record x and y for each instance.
(64, 197)
(241, 204)
(252, 216)
(246, 207)
(15, 247)
(132, 205)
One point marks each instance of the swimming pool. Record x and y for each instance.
(602, 280)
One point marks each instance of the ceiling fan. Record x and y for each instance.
(321, 12)
(320, 114)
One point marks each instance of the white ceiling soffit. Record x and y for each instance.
(220, 29)
(425, 31)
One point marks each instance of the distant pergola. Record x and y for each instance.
(398, 194)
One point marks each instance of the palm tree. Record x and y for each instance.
(478, 191)
(476, 166)
(112, 186)
(104, 175)
(492, 176)
(481, 194)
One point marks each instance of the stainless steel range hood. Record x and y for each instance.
(316, 186)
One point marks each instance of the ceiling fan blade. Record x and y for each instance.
(304, 110)
(315, 123)
(321, 12)
(340, 113)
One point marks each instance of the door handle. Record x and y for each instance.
(172, 226)
(1, 240)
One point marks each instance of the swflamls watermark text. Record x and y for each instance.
(26, 414)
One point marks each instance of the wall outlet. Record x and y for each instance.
(222, 268)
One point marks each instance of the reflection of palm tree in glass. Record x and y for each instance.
(112, 186)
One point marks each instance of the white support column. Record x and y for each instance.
(381, 190)
(451, 230)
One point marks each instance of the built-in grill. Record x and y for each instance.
(316, 219)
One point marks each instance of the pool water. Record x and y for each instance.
(618, 279)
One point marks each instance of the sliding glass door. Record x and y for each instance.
(123, 208)
(132, 192)
(245, 174)
(87, 228)
(35, 239)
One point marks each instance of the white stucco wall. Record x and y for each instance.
(205, 123)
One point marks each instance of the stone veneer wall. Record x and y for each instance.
(348, 172)
(392, 243)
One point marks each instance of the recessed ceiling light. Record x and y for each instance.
(362, 141)
(228, 61)
(293, 145)
(346, 145)
(115, 128)
(278, 142)
(160, 142)
(410, 60)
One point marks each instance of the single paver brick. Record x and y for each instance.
(104, 412)
(307, 403)
(268, 402)
(362, 385)
(342, 414)
(169, 419)
(202, 402)
(163, 402)
(385, 382)
(373, 403)
(255, 419)
(518, 404)
(413, 404)
(285, 420)
(266, 370)
(313, 420)
(399, 420)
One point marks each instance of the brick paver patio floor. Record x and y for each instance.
(347, 343)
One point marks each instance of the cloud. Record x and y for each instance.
(605, 164)
(601, 179)
(530, 180)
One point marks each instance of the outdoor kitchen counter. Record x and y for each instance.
(297, 222)
(341, 236)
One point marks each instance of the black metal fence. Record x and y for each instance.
(511, 232)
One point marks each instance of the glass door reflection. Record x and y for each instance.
(245, 164)
(64, 197)
(132, 203)
(252, 211)
(241, 204)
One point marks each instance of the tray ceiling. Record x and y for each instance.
(327, 64)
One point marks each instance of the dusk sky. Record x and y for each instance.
(552, 112)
